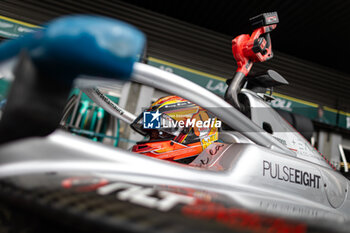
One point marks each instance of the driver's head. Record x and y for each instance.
(177, 129)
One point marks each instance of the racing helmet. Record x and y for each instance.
(178, 130)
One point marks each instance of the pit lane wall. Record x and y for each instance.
(11, 28)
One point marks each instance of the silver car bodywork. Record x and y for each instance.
(250, 168)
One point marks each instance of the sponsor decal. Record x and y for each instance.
(166, 68)
(84, 183)
(209, 156)
(10, 28)
(150, 197)
(241, 219)
(4, 25)
(289, 174)
(208, 140)
(24, 29)
(347, 122)
(109, 102)
(145, 196)
(298, 210)
(197, 194)
(281, 140)
(282, 104)
(271, 19)
(214, 150)
(204, 161)
(214, 85)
